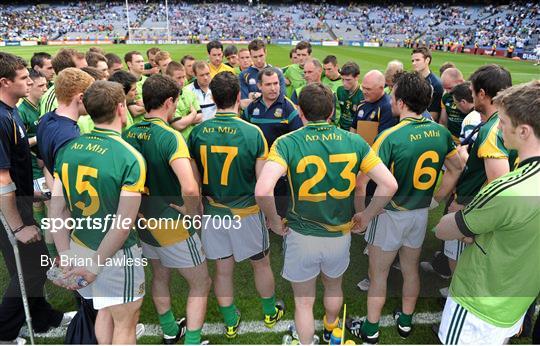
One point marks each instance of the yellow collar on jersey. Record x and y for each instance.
(226, 114)
(106, 131)
(317, 123)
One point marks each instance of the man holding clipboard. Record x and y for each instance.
(375, 112)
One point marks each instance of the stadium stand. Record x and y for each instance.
(516, 24)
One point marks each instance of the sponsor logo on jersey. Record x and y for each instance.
(256, 111)
(278, 113)
(252, 81)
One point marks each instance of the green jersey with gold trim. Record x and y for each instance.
(488, 145)
(160, 145)
(225, 150)
(322, 163)
(94, 168)
(348, 103)
(414, 150)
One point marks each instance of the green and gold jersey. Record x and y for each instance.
(455, 116)
(48, 102)
(186, 100)
(139, 97)
(488, 145)
(332, 83)
(160, 145)
(94, 168)
(497, 278)
(349, 102)
(295, 74)
(322, 163)
(29, 114)
(225, 150)
(414, 150)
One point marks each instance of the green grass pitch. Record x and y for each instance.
(245, 294)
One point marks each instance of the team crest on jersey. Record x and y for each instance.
(252, 81)
(372, 116)
(256, 111)
(278, 113)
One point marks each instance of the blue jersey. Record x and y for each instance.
(248, 81)
(274, 121)
(436, 84)
(53, 131)
(380, 111)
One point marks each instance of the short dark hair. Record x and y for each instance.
(330, 59)
(64, 59)
(10, 64)
(304, 45)
(95, 49)
(33, 74)
(225, 88)
(521, 103)
(94, 72)
(316, 102)
(129, 56)
(414, 90)
(291, 52)
(157, 89)
(101, 99)
(125, 78)
(172, 67)
(230, 50)
(213, 45)
(186, 58)
(446, 66)
(267, 71)
(39, 58)
(92, 58)
(350, 68)
(462, 92)
(152, 50)
(426, 53)
(491, 78)
(256, 45)
(112, 59)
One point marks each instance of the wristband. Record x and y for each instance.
(18, 229)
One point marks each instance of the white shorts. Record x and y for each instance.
(306, 256)
(458, 326)
(116, 284)
(453, 248)
(393, 229)
(184, 254)
(242, 241)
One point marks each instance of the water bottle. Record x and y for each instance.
(56, 274)
(335, 338)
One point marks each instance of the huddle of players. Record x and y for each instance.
(327, 169)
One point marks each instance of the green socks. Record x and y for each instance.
(269, 305)
(369, 328)
(404, 319)
(193, 337)
(168, 324)
(229, 314)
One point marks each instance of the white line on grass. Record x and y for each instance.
(250, 326)
(257, 326)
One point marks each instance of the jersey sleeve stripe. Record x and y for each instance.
(489, 148)
(451, 153)
(139, 185)
(369, 161)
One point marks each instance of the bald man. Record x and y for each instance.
(451, 116)
(376, 105)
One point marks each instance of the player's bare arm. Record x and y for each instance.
(264, 194)
(454, 166)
